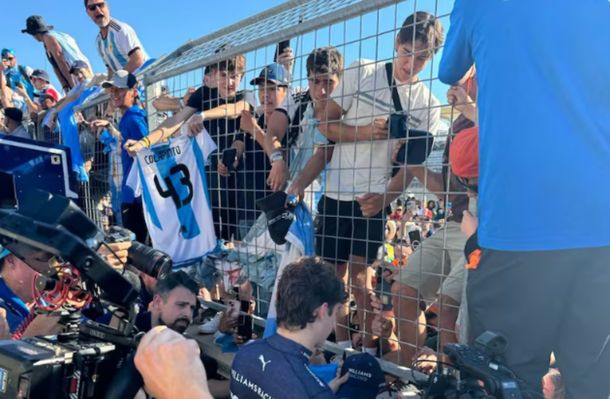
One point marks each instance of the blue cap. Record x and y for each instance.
(274, 73)
(41, 74)
(365, 377)
(7, 51)
(78, 64)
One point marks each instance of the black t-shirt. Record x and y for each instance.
(223, 190)
(222, 131)
(201, 97)
(252, 175)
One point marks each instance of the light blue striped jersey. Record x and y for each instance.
(171, 179)
(70, 48)
(119, 43)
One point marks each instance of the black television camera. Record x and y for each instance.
(87, 360)
(146, 259)
(480, 371)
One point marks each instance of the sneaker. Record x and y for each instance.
(211, 326)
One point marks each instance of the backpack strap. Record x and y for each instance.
(392, 86)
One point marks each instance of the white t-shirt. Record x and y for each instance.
(119, 43)
(363, 93)
(171, 179)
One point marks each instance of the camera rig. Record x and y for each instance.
(55, 238)
(476, 371)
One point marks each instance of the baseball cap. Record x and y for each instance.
(78, 64)
(14, 113)
(7, 51)
(279, 218)
(464, 153)
(365, 377)
(121, 79)
(274, 73)
(41, 74)
(48, 92)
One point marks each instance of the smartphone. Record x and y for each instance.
(228, 158)
(281, 46)
(244, 322)
(415, 238)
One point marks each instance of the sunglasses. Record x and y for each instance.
(464, 182)
(93, 7)
(8, 59)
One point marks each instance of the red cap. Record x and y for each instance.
(51, 92)
(464, 153)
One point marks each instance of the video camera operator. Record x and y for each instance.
(16, 281)
(17, 295)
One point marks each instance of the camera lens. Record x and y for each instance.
(148, 260)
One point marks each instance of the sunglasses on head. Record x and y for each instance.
(93, 7)
(464, 182)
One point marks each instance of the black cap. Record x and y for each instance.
(13, 114)
(279, 218)
(36, 24)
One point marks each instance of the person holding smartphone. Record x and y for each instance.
(359, 184)
(249, 144)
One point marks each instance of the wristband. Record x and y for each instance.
(202, 114)
(146, 142)
(276, 155)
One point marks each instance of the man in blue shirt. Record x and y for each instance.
(308, 296)
(132, 126)
(543, 74)
(16, 74)
(16, 281)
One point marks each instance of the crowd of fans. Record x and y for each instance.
(395, 275)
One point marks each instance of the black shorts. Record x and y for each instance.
(341, 230)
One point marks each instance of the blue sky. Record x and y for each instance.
(162, 28)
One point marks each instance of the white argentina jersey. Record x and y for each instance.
(171, 179)
(120, 42)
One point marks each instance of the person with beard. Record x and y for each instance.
(173, 305)
(117, 42)
(174, 302)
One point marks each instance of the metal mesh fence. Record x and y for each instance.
(407, 250)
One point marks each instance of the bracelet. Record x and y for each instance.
(276, 155)
(146, 142)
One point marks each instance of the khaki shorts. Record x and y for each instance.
(436, 267)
